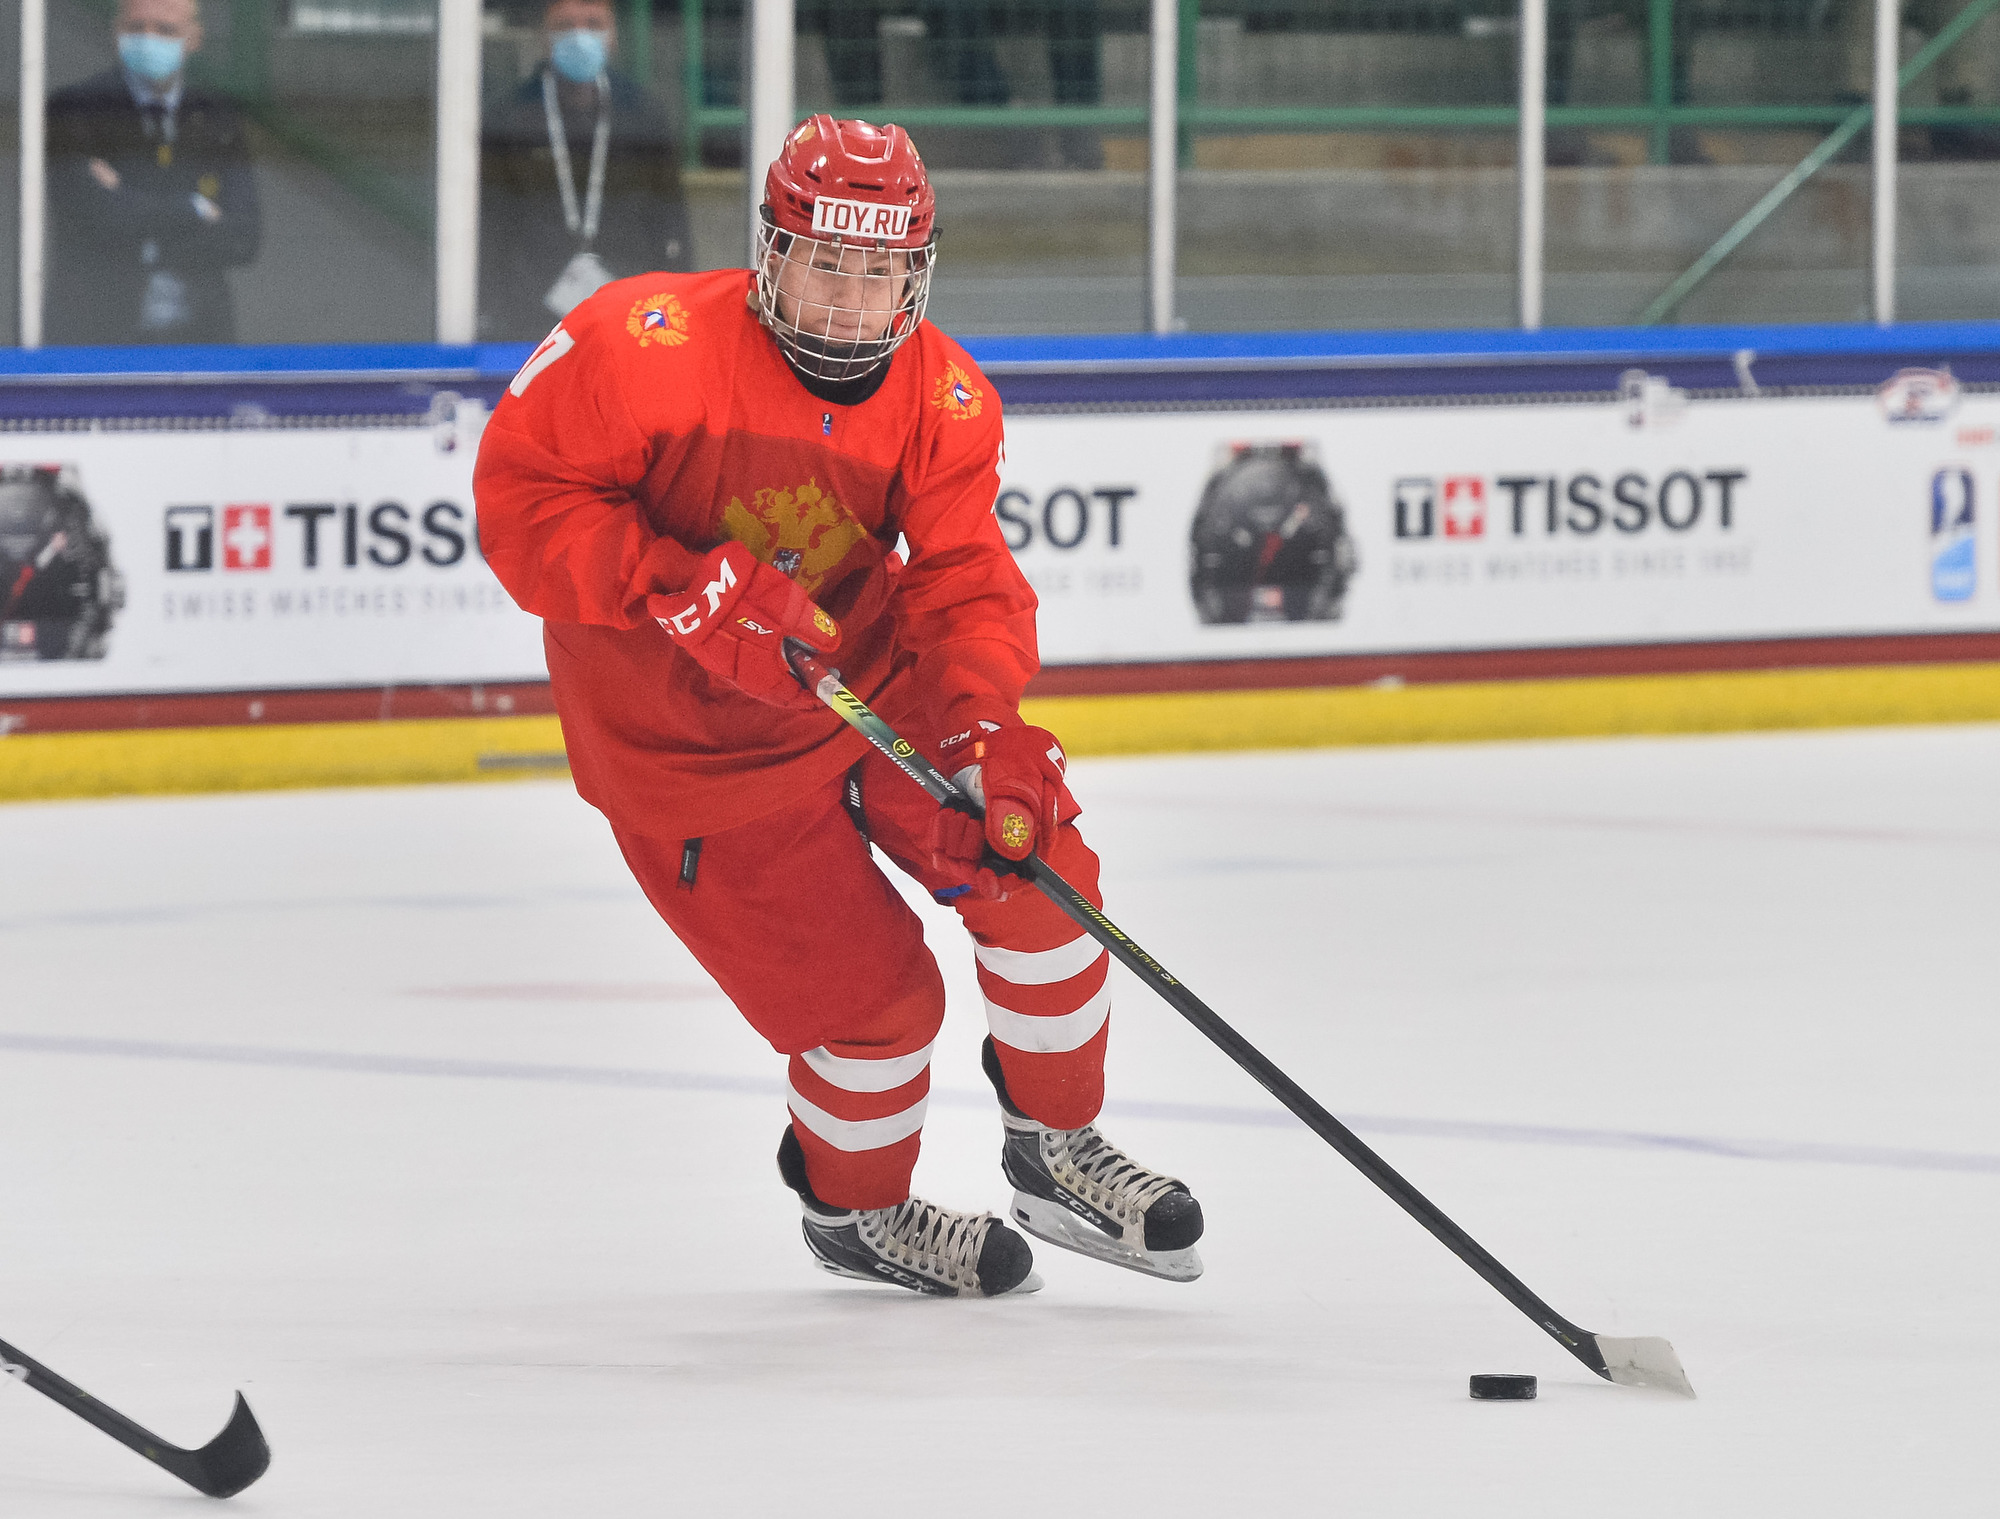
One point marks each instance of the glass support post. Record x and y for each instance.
(1531, 159)
(1888, 30)
(772, 40)
(1163, 165)
(34, 165)
(457, 234)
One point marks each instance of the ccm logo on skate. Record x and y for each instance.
(856, 218)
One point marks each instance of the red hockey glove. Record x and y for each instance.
(1017, 775)
(734, 618)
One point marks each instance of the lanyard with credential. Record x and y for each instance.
(584, 226)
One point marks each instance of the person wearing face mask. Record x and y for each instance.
(579, 179)
(151, 193)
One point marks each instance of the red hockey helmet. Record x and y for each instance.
(846, 245)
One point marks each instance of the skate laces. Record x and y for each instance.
(1111, 1179)
(939, 1242)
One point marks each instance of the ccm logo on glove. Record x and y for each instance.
(735, 625)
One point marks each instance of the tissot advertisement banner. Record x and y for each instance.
(205, 560)
(1379, 529)
(256, 558)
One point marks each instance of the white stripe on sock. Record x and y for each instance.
(852, 1075)
(854, 1135)
(1050, 1036)
(1038, 967)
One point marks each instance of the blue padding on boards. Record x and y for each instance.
(217, 384)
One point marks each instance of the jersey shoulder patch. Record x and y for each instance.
(957, 392)
(659, 319)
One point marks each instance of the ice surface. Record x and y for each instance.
(399, 1110)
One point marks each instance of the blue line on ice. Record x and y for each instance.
(1171, 1112)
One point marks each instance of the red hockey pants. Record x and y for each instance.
(806, 935)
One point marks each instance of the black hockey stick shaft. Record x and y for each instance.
(826, 684)
(222, 1468)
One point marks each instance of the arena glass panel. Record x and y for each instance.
(1347, 164)
(1669, 121)
(543, 248)
(308, 129)
(1031, 118)
(1948, 191)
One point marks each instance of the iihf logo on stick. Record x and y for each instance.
(1954, 552)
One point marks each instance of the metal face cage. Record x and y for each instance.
(839, 308)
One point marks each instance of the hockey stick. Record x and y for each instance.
(222, 1468)
(1647, 1362)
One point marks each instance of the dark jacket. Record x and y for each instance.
(98, 267)
(523, 242)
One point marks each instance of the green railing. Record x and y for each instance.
(1657, 117)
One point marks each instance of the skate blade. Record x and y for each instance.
(1056, 1225)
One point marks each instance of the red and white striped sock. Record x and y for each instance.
(1049, 1011)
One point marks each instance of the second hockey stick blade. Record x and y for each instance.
(222, 1468)
(1648, 1362)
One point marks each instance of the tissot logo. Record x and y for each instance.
(190, 537)
(1464, 506)
(1067, 517)
(318, 535)
(1579, 505)
(246, 537)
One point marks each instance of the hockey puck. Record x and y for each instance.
(1502, 1387)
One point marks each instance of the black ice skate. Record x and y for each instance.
(1075, 1189)
(914, 1244)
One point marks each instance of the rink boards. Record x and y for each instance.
(1195, 514)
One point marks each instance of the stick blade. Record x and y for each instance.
(227, 1464)
(1644, 1362)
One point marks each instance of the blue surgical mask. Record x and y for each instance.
(578, 55)
(153, 59)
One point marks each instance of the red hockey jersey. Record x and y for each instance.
(660, 419)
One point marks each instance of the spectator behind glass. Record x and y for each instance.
(579, 180)
(151, 195)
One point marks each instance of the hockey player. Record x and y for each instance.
(691, 469)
